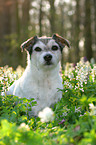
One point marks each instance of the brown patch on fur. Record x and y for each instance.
(27, 45)
(60, 40)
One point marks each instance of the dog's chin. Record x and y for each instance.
(49, 65)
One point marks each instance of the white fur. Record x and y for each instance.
(40, 81)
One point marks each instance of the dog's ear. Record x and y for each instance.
(27, 45)
(61, 41)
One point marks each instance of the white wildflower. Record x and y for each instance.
(93, 109)
(93, 73)
(77, 109)
(24, 127)
(46, 115)
(94, 67)
(92, 60)
(82, 89)
(67, 84)
(91, 106)
(83, 70)
(69, 70)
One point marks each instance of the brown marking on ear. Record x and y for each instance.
(61, 41)
(27, 45)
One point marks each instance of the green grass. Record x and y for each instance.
(75, 119)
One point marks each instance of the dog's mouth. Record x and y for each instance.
(48, 63)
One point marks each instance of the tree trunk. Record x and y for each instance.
(40, 18)
(88, 35)
(25, 24)
(62, 32)
(52, 16)
(76, 32)
(95, 20)
(5, 30)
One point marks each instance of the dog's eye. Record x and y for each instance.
(38, 49)
(54, 48)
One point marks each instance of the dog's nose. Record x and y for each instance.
(48, 57)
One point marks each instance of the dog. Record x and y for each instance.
(41, 78)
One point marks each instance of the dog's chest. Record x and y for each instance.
(44, 91)
(41, 89)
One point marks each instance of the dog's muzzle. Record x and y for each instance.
(48, 58)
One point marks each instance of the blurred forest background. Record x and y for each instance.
(75, 20)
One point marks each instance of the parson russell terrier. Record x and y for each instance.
(41, 78)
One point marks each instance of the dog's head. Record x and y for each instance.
(45, 51)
